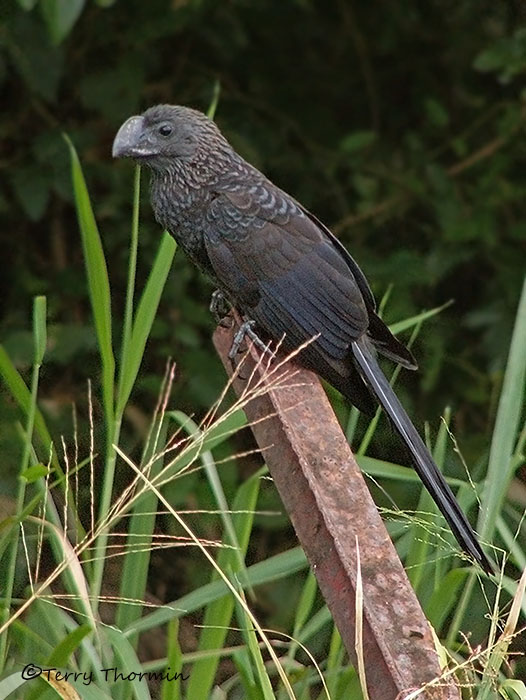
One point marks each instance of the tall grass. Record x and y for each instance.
(61, 608)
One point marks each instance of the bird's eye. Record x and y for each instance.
(165, 130)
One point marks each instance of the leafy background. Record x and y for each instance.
(401, 125)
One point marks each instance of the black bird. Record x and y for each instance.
(280, 267)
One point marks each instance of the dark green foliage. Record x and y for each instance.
(399, 125)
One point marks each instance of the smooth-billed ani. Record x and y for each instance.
(279, 266)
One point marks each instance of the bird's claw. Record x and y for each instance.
(247, 329)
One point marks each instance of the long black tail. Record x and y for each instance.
(424, 464)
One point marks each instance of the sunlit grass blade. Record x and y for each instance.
(219, 612)
(98, 282)
(511, 406)
(142, 324)
(379, 469)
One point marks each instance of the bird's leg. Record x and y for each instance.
(247, 329)
(220, 307)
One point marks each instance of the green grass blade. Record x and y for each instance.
(9, 571)
(39, 329)
(378, 468)
(407, 323)
(11, 683)
(304, 609)
(418, 569)
(219, 612)
(511, 405)
(21, 394)
(135, 568)
(61, 654)
(213, 436)
(272, 569)
(213, 479)
(128, 664)
(98, 282)
(501, 465)
(144, 318)
(171, 689)
(251, 641)
(445, 597)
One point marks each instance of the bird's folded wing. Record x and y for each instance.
(277, 264)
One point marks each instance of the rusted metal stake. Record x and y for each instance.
(332, 510)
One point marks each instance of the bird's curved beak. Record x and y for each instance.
(127, 143)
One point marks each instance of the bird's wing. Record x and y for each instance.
(279, 266)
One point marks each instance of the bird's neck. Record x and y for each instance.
(182, 189)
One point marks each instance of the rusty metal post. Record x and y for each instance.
(332, 510)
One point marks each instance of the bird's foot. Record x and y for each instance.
(246, 329)
(220, 307)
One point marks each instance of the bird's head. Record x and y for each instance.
(167, 134)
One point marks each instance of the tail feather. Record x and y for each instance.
(425, 466)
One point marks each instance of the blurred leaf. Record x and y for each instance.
(506, 56)
(60, 16)
(27, 4)
(31, 188)
(39, 63)
(436, 113)
(357, 141)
